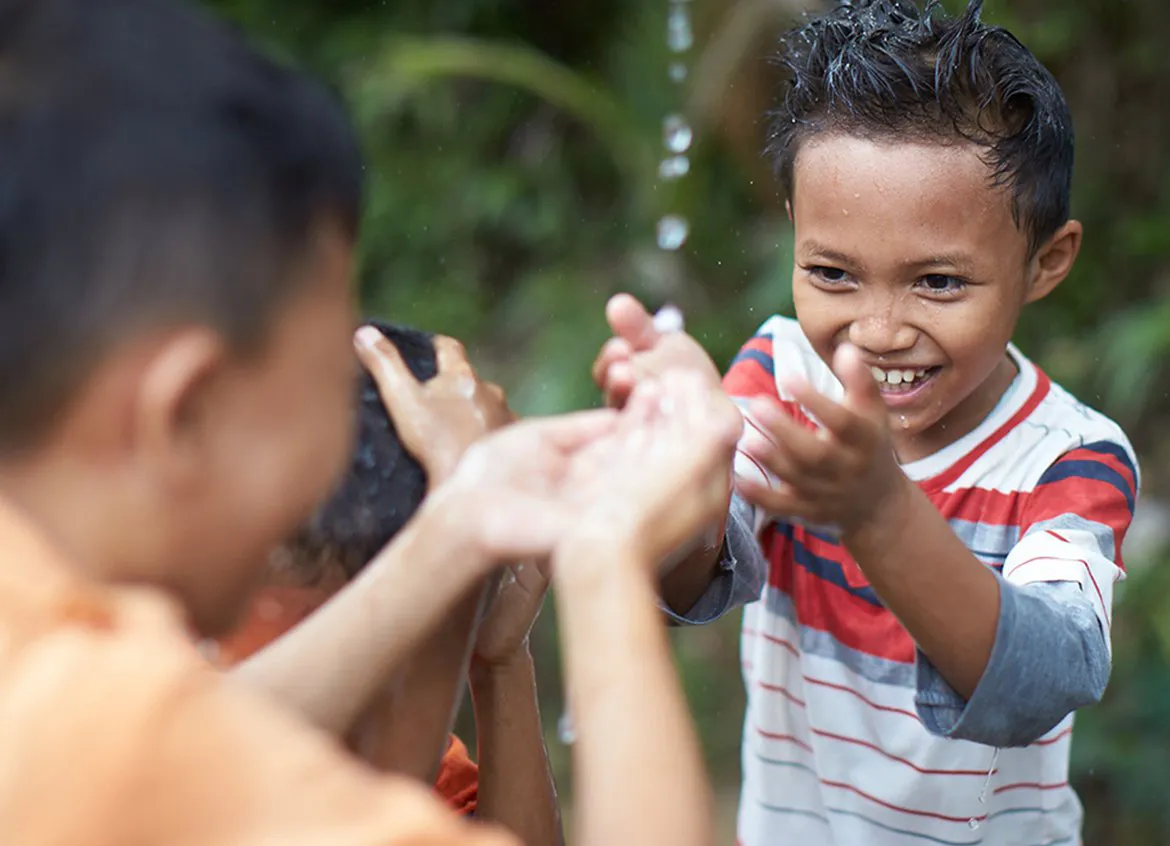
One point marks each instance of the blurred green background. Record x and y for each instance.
(513, 147)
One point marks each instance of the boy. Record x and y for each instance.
(177, 218)
(943, 524)
(397, 730)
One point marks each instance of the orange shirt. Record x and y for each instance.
(115, 731)
(275, 610)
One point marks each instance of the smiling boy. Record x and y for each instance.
(943, 524)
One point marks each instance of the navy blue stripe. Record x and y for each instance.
(1116, 450)
(825, 568)
(765, 361)
(1088, 469)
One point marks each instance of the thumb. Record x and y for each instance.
(861, 390)
(630, 321)
(397, 386)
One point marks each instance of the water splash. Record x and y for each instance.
(673, 168)
(672, 232)
(677, 134)
(678, 28)
(677, 71)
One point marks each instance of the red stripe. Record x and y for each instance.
(868, 702)
(775, 688)
(957, 469)
(1030, 785)
(772, 639)
(864, 743)
(1048, 741)
(930, 814)
(788, 738)
(748, 378)
(1110, 461)
(1083, 563)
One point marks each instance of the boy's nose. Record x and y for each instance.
(881, 334)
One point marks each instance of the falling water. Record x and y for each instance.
(677, 135)
(672, 229)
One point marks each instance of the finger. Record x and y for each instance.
(861, 390)
(629, 320)
(377, 353)
(451, 356)
(840, 420)
(779, 501)
(620, 385)
(613, 351)
(780, 430)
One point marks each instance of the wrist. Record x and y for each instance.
(444, 529)
(516, 666)
(886, 519)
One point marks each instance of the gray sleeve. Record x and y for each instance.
(740, 575)
(1050, 658)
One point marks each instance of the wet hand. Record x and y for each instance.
(439, 419)
(640, 350)
(843, 473)
(503, 634)
(663, 476)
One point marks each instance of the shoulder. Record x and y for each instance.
(175, 753)
(778, 349)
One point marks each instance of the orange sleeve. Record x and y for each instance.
(458, 781)
(129, 737)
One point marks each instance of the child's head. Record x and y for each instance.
(927, 162)
(383, 488)
(177, 216)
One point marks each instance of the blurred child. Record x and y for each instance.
(943, 523)
(177, 222)
(396, 729)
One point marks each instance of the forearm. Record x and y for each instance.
(683, 584)
(629, 711)
(356, 641)
(1051, 657)
(944, 596)
(516, 787)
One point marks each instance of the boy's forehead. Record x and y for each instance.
(855, 195)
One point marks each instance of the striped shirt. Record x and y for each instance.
(837, 749)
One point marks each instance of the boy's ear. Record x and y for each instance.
(171, 403)
(1054, 260)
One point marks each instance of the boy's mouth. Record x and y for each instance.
(893, 381)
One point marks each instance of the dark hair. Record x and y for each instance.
(156, 171)
(885, 69)
(384, 486)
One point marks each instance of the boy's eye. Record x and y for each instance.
(936, 283)
(831, 275)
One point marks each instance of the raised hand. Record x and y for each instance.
(439, 419)
(639, 350)
(841, 473)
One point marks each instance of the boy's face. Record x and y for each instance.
(908, 252)
(275, 434)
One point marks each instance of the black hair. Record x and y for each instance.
(157, 171)
(886, 69)
(384, 486)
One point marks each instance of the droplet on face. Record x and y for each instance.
(674, 167)
(677, 134)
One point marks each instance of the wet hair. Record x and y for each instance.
(157, 172)
(384, 486)
(887, 70)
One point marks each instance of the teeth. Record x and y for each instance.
(897, 377)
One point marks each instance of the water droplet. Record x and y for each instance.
(677, 71)
(904, 420)
(566, 731)
(672, 232)
(678, 30)
(677, 134)
(674, 167)
(973, 824)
